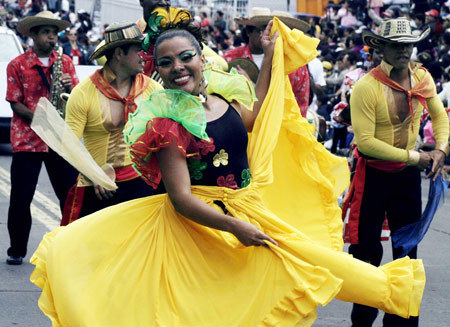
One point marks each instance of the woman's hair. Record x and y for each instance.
(195, 39)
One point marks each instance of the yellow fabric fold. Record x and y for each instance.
(299, 179)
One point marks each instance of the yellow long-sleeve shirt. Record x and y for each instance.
(379, 132)
(88, 114)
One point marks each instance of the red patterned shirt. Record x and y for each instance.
(299, 79)
(239, 52)
(300, 85)
(25, 85)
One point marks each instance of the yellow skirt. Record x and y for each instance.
(141, 264)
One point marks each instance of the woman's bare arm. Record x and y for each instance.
(176, 179)
(263, 82)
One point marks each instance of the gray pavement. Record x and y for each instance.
(18, 297)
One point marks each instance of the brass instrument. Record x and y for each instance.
(58, 97)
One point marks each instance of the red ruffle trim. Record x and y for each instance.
(160, 133)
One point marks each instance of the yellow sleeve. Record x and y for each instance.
(363, 103)
(214, 58)
(76, 110)
(152, 87)
(440, 123)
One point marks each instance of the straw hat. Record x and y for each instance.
(262, 16)
(395, 30)
(41, 19)
(118, 34)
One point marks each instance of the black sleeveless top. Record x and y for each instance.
(224, 160)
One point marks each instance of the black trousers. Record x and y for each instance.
(127, 190)
(397, 195)
(25, 169)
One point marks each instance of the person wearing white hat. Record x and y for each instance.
(254, 24)
(97, 111)
(30, 78)
(386, 106)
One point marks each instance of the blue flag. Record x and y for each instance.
(410, 235)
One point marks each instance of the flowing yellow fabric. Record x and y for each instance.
(308, 178)
(140, 263)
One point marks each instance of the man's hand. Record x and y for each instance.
(424, 160)
(66, 81)
(438, 157)
(102, 193)
(267, 43)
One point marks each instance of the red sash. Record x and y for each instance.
(75, 196)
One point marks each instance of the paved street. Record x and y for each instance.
(18, 297)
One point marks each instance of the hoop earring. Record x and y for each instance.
(203, 97)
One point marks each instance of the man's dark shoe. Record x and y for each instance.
(13, 260)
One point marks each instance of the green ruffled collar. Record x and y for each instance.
(187, 109)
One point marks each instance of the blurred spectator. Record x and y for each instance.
(376, 5)
(324, 109)
(341, 68)
(83, 25)
(219, 23)
(432, 20)
(356, 42)
(205, 19)
(94, 41)
(346, 15)
(339, 132)
(74, 49)
(317, 82)
(444, 95)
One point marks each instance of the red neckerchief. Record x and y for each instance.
(140, 84)
(422, 90)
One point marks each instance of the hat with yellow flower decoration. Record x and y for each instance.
(161, 20)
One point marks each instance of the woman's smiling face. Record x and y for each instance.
(180, 65)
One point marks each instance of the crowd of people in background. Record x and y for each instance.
(364, 62)
(339, 31)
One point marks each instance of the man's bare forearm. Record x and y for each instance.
(23, 111)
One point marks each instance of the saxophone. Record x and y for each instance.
(58, 97)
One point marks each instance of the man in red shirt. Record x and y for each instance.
(254, 26)
(29, 79)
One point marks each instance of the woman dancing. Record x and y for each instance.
(209, 252)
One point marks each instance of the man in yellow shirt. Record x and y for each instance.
(98, 110)
(386, 107)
